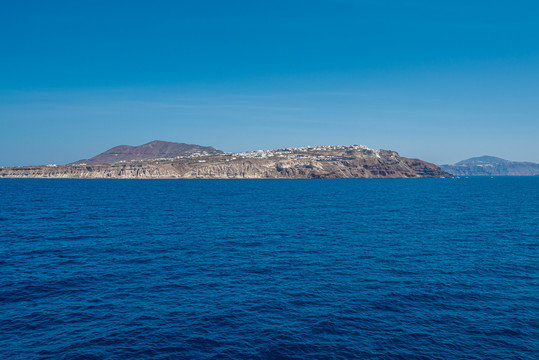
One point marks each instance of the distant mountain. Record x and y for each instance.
(150, 151)
(491, 166)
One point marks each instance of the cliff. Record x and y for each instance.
(354, 161)
(491, 166)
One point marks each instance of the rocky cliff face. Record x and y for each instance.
(150, 151)
(491, 166)
(299, 163)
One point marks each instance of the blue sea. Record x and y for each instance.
(270, 269)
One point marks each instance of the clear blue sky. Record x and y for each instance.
(438, 80)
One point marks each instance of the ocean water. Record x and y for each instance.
(269, 269)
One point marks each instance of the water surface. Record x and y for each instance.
(269, 269)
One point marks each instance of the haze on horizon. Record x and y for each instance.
(441, 82)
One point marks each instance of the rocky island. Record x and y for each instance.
(312, 162)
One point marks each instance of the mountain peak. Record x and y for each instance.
(156, 149)
(491, 166)
(158, 142)
(485, 159)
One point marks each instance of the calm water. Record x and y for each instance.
(269, 269)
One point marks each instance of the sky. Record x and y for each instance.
(437, 80)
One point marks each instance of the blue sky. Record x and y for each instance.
(442, 81)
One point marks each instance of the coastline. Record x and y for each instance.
(224, 167)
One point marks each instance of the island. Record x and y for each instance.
(491, 166)
(311, 162)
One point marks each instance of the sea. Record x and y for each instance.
(269, 269)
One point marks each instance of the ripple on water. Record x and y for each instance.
(337, 269)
